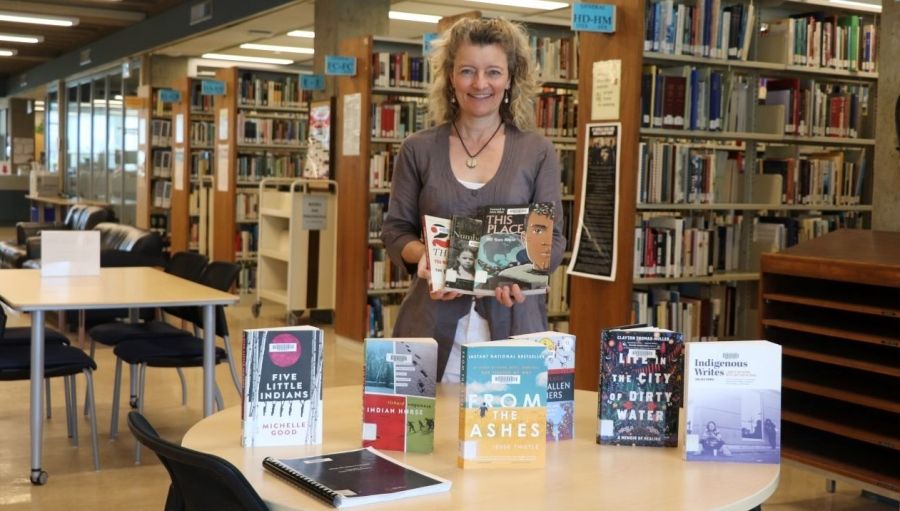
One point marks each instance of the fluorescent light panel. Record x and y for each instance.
(37, 19)
(530, 4)
(242, 58)
(858, 5)
(274, 47)
(21, 38)
(308, 34)
(412, 16)
(7, 52)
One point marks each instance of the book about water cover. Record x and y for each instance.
(282, 402)
(357, 477)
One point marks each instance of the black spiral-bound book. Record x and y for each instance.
(353, 478)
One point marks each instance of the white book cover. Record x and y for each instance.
(282, 402)
(437, 245)
(732, 402)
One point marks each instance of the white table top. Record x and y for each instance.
(579, 474)
(25, 290)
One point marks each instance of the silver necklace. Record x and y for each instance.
(472, 160)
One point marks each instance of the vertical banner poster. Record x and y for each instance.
(596, 239)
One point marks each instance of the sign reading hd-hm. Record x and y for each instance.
(594, 18)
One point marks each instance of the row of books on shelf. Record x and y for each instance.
(516, 396)
(381, 314)
(162, 194)
(160, 132)
(246, 206)
(384, 273)
(400, 69)
(160, 224)
(704, 99)
(198, 201)
(397, 117)
(672, 246)
(246, 240)
(381, 167)
(253, 130)
(200, 103)
(255, 166)
(201, 163)
(556, 112)
(202, 133)
(700, 313)
(161, 161)
(556, 58)
(689, 173)
(776, 233)
(273, 91)
(705, 29)
(246, 280)
(160, 108)
(821, 40)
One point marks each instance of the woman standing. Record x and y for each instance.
(481, 153)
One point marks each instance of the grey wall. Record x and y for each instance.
(337, 20)
(886, 184)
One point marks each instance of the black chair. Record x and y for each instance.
(59, 360)
(199, 481)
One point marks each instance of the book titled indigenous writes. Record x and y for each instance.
(282, 402)
(353, 478)
(398, 394)
(503, 405)
(641, 375)
(559, 359)
(733, 401)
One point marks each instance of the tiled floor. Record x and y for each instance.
(121, 485)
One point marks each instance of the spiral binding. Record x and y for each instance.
(302, 481)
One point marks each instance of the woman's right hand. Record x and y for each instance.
(424, 273)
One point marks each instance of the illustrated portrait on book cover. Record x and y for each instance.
(532, 265)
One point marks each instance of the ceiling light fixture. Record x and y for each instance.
(37, 19)
(6, 52)
(858, 5)
(308, 34)
(276, 48)
(242, 58)
(19, 38)
(530, 4)
(412, 16)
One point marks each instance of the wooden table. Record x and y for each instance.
(579, 474)
(132, 287)
(59, 203)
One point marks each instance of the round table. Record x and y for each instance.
(579, 474)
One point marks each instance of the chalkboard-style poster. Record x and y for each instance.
(596, 239)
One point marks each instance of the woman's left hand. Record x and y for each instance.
(509, 295)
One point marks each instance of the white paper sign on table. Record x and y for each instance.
(70, 253)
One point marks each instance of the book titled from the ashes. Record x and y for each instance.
(436, 231)
(398, 394)
(559, 359)
(282, 402)
(515, 248)
(353, 478)
(503, 405)
(733, 402)
(464, 235)
(641, 385)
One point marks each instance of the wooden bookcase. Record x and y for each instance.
(833, 304)
(260, 127)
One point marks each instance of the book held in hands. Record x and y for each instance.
(640, 386)
(503, 405)
(357, 477)
(559, 359)
(733, 402)
(282, 402)
(398, 394)
(437, 245)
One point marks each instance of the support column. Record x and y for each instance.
(886, 179)
(337, 20)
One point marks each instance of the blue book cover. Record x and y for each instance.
(733, 402)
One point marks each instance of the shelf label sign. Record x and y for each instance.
(315, 212)
(312, 82)
(427, 39)
(169, 96)
(212, 87)
(339, 65)
(594, 18)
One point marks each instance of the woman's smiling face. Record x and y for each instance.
(480, 77)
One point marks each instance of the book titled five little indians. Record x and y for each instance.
(504, 245)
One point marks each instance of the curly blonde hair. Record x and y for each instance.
(513, 39)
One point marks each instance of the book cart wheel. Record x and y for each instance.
(293, 317)
(39, 477)
(254, 309)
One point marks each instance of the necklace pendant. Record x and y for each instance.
(471, 162)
